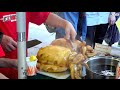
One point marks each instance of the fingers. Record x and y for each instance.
(8, 43)
(73, 35)
(67, 34)
(14, 43)
(9, 47)
(12, 47)
(70, 32)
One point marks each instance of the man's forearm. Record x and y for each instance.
(5, 62)
(56, 21)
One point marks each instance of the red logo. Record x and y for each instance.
(10, 18)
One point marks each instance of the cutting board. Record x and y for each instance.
(61, 75)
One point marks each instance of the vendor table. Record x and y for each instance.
(40, 76)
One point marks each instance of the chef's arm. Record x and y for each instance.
(56, 21)
(6, 62)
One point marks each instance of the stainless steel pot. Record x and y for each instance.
(96, 65)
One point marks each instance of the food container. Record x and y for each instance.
(31, 67)
(101, 67)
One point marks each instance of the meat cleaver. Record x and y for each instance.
(32, 43)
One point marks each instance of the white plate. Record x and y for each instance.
(62, 75)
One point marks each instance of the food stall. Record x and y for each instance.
(87, 51)
(22, 66)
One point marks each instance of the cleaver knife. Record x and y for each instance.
(32, 43)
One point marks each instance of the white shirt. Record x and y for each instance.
(97, 18)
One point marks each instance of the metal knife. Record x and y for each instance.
(32, 43)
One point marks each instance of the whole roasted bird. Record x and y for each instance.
(59, 57)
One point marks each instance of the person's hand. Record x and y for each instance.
(8, 44)
(14, 63)
(3, 76)
(112, 19)
(70, 31)
(56, 21)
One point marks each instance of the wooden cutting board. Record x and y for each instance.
(61, 75)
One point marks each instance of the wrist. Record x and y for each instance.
(66, 23)
(13, 63)
(6, 62)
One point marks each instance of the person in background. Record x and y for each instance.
(97, 24)
(78, 20)
(5, 62)
(8, 67)
(8, 28)
(1, 55)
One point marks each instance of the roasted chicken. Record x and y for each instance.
(80, 47)
(59, 57)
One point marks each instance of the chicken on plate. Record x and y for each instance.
(59, 57)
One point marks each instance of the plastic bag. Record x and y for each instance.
(112, 35)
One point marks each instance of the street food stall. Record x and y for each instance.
(68, 61)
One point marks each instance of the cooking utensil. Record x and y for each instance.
(97, 65)
(32, 43)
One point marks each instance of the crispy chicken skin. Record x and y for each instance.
(66, 43)
(59, 56)
(53, 58)
(80, 46)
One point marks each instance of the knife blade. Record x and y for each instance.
(32, 43)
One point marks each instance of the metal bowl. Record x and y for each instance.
(96, 65)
